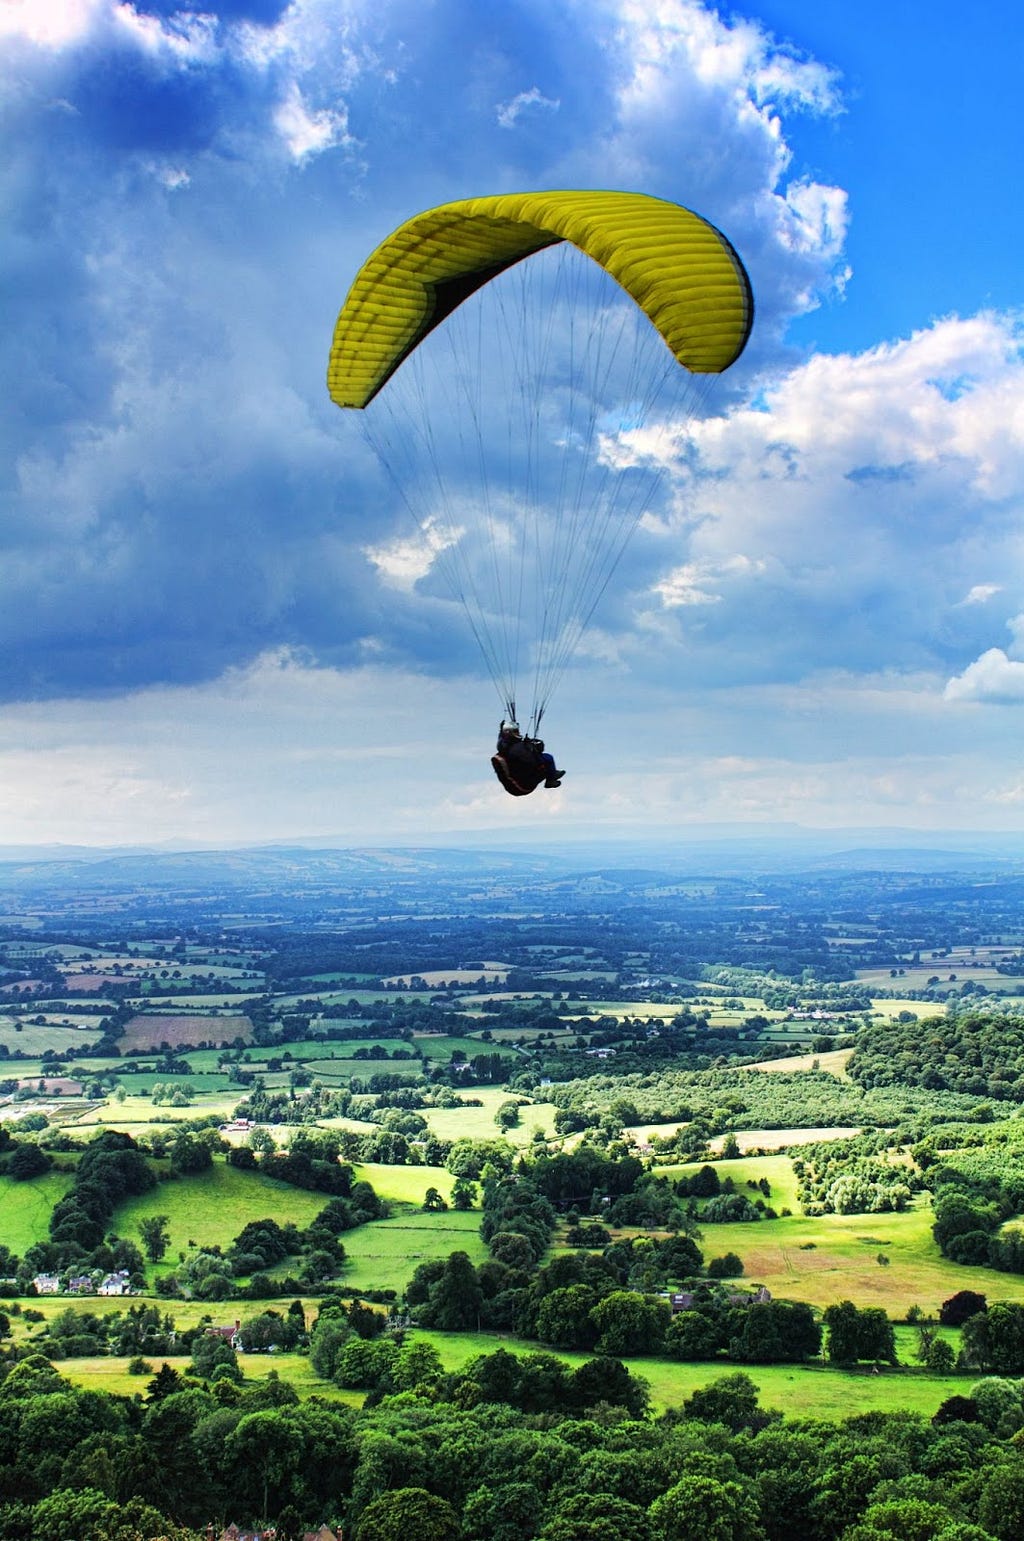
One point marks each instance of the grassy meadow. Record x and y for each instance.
(798, 1391)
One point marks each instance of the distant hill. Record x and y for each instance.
(308, 868)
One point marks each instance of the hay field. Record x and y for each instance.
(150, 1030)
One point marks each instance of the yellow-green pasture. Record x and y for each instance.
(826, 1258)
(747, 1139)
(384, 1255)
(920, 1008)
(102, 1374)
(139, 1114)
(780, 1139)
(477, 1123)
(833, 1061)
(36, 1038)
(914, 978)
(211, 1209)
(799, 1391)
(439, 977)
(777, 1169)
(25, 1208)
(232, 999)
(405, 1184)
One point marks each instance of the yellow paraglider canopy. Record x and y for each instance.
(679, 269)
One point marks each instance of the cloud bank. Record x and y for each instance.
(189, 194)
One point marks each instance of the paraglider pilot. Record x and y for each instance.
(521, 764)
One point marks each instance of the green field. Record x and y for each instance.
(777, 1169)
(828, 1258)
(28, 1038)
(799, 1391)
(477, 1123)
(406, 1184)
(25, 1208)
(101, 1374)
(213, 1208)
(385, 1254)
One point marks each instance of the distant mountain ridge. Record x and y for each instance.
(307, 866)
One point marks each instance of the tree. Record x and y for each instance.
(214, 1358)
(700, 1505)
(630, 1323)
(596, 1517)
(602, 1379)
(456, 1298)
(507, 1115)
(155, 1236)
(732, 1400)
(564, 1319)
(693, 1335)
(993, 1341)
(264, 1454)
(960, 1307)
(1001, 1505)
(854, 1334)
(901, 1519)
(406, 1513)
(503, 1512)
(27, 1162)
(940, 1359)
(329, 1337)
(165, 1383)
(190, 1156)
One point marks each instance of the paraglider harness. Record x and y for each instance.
(521, 764)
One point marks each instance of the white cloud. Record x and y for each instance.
(402, 562)
(187, 37)
(980, 592)
(309, 133)
(510, 112)
(992, 677)
(50, 23)
(689, 583)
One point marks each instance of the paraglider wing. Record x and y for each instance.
(678, 268)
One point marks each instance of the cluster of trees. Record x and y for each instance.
(507, 1449)
(714, 1101)
(110, 1169)
(75, 1333)
(970, 1215)
(976, 1053)
(853, 1177)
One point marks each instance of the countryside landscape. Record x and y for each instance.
(470, 1163)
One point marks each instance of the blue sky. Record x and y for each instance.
(823, 620)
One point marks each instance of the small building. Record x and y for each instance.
(115, 1283)
(229, 1334)
(46, 1284)
(80, 1284)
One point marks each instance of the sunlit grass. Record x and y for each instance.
(25, 1208)
(798, 1391)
